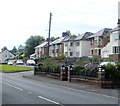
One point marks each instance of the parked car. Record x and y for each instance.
(10, 63)
(30, 62)
(105, 63)
(19, 62)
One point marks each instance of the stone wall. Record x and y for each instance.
(115, 57)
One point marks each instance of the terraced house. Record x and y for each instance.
(77, 46)
(99, 40)
(41, 50)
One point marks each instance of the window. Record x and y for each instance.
(96, 40)
(56, 46)
(116, 49)
(77, 43)
(66, 43)
(40, 49)
(71, 53)
(52, 47)
(77, 54)
(115, 36)
(60, 46)
(66, 53)
(71, 43)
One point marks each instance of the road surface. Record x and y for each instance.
(19, 90)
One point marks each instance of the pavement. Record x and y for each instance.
(75, 86)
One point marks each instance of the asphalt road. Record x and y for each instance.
(19, 90)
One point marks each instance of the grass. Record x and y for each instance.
(11, 68)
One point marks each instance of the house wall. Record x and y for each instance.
(56, 50)
(96, 48)
(82, 49)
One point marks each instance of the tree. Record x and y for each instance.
(31, 43)
(4, 48)
(14, 50)
(53, 38)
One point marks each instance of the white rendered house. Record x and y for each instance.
(5, 55)
(77, 46)
(112, 49)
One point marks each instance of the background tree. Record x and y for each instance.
(4, 48)
(31, 43)
(14, 50)
(53, 38)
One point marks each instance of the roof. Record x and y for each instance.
(103, 32)
(6, 50)
(57, 41)
(69, 38)
(42, 45)
(60, 40)
(84, 36)
(115, 29)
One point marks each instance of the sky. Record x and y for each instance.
(19, 19)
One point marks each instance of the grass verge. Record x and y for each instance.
(11, 68)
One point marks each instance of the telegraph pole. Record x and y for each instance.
(49, 33)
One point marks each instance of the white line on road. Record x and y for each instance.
(12, 86)
(49, 100)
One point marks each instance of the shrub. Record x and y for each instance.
(85, 72)
(62, 56)
(112, 72)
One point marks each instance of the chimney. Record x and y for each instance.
(118, 23)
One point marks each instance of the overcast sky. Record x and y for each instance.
(19, 19)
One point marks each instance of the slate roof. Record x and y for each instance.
(57, 41)
(103, 32)
(69, 38)
(42, 45)
(115, 29)
(84, 36)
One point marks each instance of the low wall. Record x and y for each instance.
(90, 81)
(43, 74)
(94, 82)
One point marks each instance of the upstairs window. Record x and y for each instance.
(66, 43)
(116, 49)
(71, 43)
(77, 43)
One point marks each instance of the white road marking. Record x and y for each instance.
(12, 86)
(48, 100)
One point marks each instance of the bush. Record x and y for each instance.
(112, 72)
(62, 56)
(84, 72)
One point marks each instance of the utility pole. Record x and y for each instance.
(49, 33)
